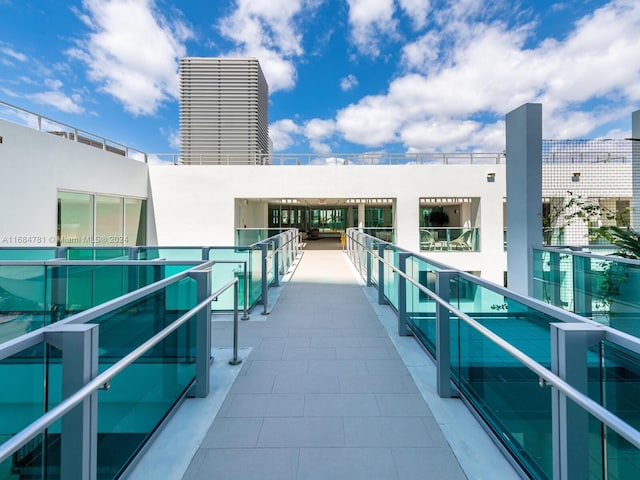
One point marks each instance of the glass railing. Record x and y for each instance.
(604, 288)
(36, 289)
(386, 234)
(499, 355)
(455, 239)
(137, 399)
(249, 236)
(35, 294)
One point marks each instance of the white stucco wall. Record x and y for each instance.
(34, 165)
(196, 205)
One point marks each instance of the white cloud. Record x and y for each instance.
(348, 82)
(371, 21)
(282, 133)
(132, 52)
(485, 70)
(417, 10)
(9, 52)
(59, 100)
(267, 30)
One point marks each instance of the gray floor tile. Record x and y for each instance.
(377, 384)
(335, 342)
(439, 462)
(253, 384)
(302, 432)
(402, 405)
(266, 353)
(309, 353)
(340, 405)
(233, 433)
(361, 332)
(386, 367)
(265, 405)
(366, 353)
(337, 367)
(277, 367)
(194, 466)
(346, 464)
(287, 342)
(375, 342)
(306, 384)
(311, 332)
(388, 432)
(249, 464)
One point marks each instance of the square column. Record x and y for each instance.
(524, 194)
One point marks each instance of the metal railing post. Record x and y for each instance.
(276, 262)
(368, 267)
(245, 291)
(443, 334)
(402, 295)
(381, 300)
(235, 360)
(79, 438)
(570, 422)
(265, 279)
(203, 337)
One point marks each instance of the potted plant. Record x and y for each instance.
(438, 217)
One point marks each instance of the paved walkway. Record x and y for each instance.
(323, 394)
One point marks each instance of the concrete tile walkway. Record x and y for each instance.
(324, 393)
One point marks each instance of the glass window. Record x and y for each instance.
(109, 221)
(75, 219)
(135, 221)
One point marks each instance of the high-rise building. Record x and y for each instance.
(223, 111)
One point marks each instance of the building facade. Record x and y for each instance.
(223, 111)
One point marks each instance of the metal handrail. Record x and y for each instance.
(595, 409)
(577, 253)
(28, 433)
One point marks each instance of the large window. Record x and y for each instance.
(85, 219)
(75, 219)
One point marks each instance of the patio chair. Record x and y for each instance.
(463, 241)
(427, 240)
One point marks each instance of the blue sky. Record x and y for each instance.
(344, 75)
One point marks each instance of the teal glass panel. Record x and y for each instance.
(255, 276)
(22, 401)
(249, 236)
(390, 277)
(508, 396)
(231, 264)
(141, 397)
(619, 381)
(506, 393)
(75, 288)
(421, 309)
(90, 254)
(24, 304)
(143, 394)
(26, 254)
(135, 221)
(75, 219)
(168, 253)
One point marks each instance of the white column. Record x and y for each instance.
(361, 215)
(524, 193)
